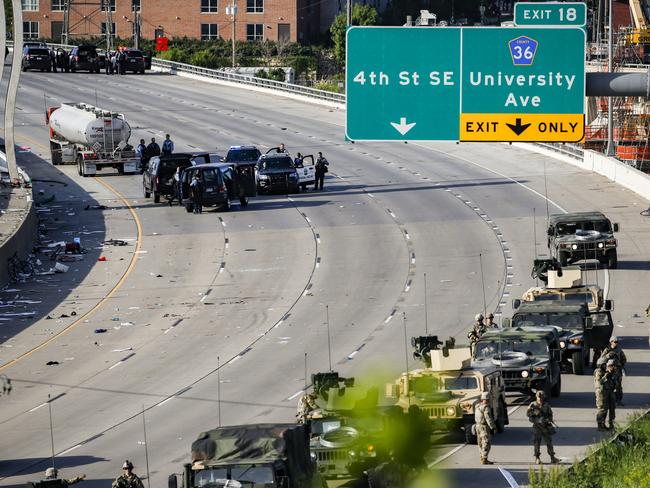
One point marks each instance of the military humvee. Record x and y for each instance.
(449, 388)
(564, 284)
(259, 455)
(527, 357)
(580, 329)
(345, 427)
(582, 236)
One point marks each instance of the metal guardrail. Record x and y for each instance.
(572, 150)
(223, 75)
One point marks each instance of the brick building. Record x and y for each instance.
(277, 20)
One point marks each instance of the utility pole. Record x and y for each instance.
(348, 9)
(136, 31)
(610, 66)
(232, 10)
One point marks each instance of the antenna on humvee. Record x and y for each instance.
(329, 341)
(480, 259)
(219, 390)
(535, 241)
(426, 308)
(546, 193)
(406, 360)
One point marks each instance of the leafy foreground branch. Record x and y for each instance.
(620, 463)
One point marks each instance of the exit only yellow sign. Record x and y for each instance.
(522, 127)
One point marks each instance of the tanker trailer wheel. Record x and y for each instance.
(80, 165)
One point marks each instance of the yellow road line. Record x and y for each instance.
(108, 296)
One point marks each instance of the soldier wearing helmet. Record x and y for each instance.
(489, 322)
(485, 426)
(306, 405)
(128, 479)
(615, 353)
(53, 474)
(540, 415)
(477, 330)
(605, 386)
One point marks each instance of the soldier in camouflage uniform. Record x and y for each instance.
(484, 427)
(540, 415)
(128, 479)
(615, 353)
(53, 474)
(605, 385)
(489, 322)
(477, 331)
(306, 405)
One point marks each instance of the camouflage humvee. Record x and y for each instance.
(582, 236)
(563, 284)
(449, 389)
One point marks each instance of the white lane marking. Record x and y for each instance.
(408, 237)
(71, 449)
(299, 392)
(370, 195)
(36, 408)
(496, 173)
(116, 365)
(393, 215)
(233, 359)
(307, 219)
(606, 289)
(204, 297)
(445, 456)
(165, 401)
(352, 354)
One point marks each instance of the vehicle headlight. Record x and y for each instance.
(451, 411)
(264, 177)
(601, 245)
(574, 246)
(293, 176)
(576, 341)
(525, 374)
(562, 344)
(539, 370)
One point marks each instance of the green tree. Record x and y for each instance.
(361, 15)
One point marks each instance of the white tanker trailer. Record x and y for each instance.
(90, 137)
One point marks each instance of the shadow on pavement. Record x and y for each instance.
(566, 436)
(73, 466)
(61, 206)
(634, 265)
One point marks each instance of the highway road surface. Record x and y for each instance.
(214, 318)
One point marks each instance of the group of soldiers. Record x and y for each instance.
(608, 383)
(480, 327)
(128, 479)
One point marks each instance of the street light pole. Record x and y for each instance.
(233, 11)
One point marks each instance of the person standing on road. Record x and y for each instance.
(540, 415)
(168, 146)
(53, 60)
(141, 152)
(196, 187)
(320, 170)
(298, 161)
(176, 181)
(153, 149)
(605, 386)
(615, 353)
(128, 479)
(485, 426)
(53, 474)
(281, 148)
(121, 62)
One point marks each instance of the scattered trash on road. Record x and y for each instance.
(52, 363)
(100, 331)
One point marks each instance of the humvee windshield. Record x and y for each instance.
(568, 321)
(425, 385)
(486, 349)
(250, 476)
(461, 383)
(564, 228)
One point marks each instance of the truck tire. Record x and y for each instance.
(227, 206)
(80, 166)
(563, 258)
(547, 388)
(500, 421)
(578, 363)
(156, 197)
(612, 259)
(556, 390)
(470, 437)
(147, 194)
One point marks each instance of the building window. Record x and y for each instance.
(30, 30)
(135, 5)
(29, 5)
(106, 3)
(57, 30)
(255, 6)
(209, 31)
(112, 28)
(58, 5)
(254, 32)
(209, 6)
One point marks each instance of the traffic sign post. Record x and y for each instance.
(561, 14)
(467, 84)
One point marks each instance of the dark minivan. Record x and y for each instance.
(85, 58)
(218, 185)
(158, 176)
(36, 58)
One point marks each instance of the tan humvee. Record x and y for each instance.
(449, 391)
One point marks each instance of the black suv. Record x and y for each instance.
(242, 154)
(35, 57)
(582, 236)
(158, 176)
(580, 329)
(134, 61)
(85, 58)
(528, 357)
(218, 185)
(277, 173)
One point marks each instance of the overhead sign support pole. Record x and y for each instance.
(12, 92)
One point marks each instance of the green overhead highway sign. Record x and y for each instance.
(468, 84)
(566, 14)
